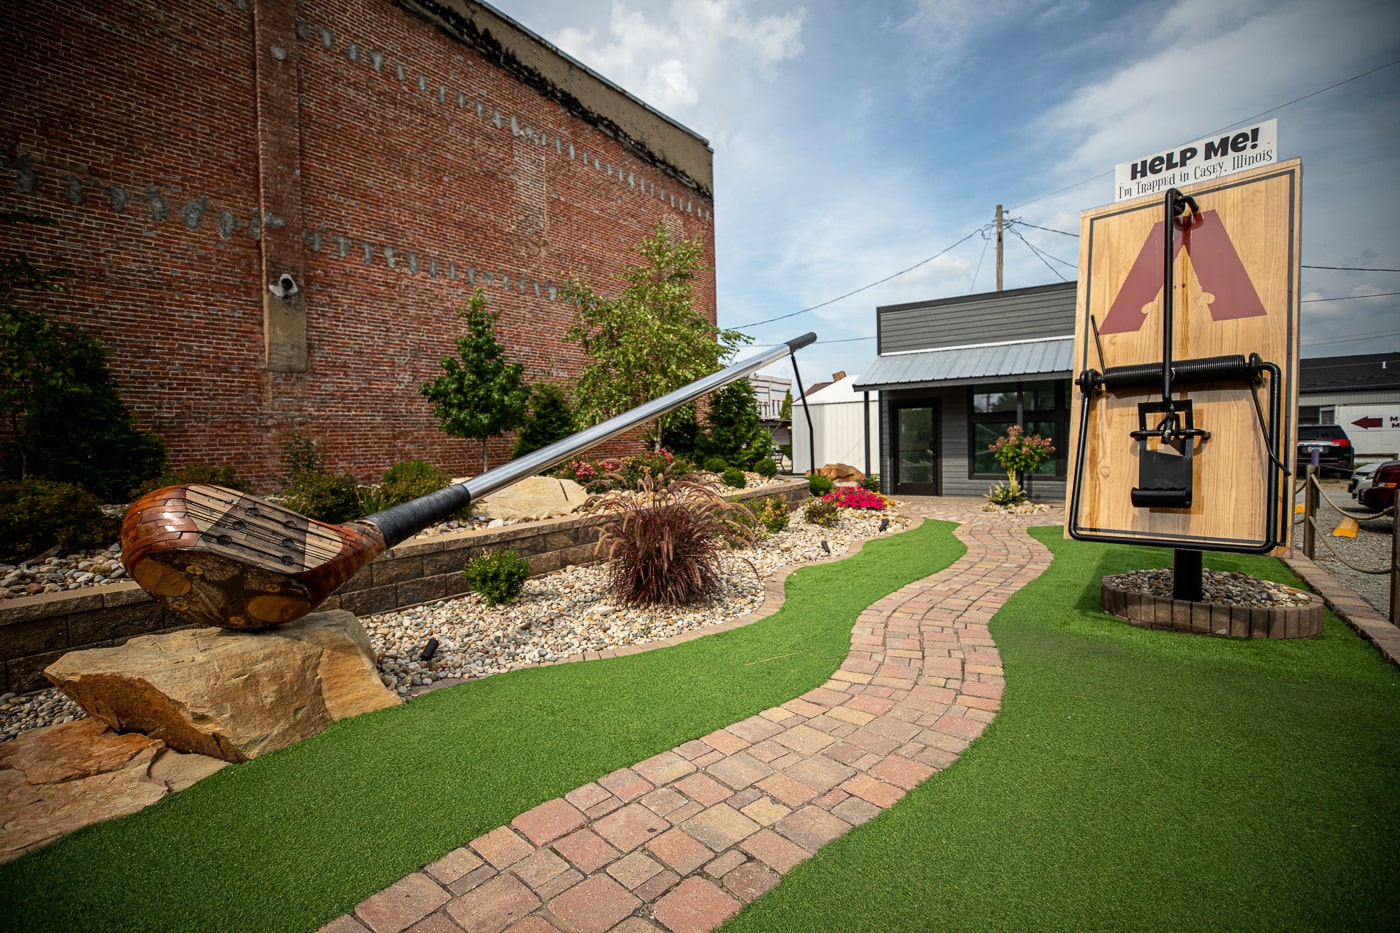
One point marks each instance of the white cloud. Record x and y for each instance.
(695, 61)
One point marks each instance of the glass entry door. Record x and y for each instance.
(916, 460)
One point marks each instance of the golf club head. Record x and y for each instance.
(218, 557)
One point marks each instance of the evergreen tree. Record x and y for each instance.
(785, 412)
(550, 419)
(480, 394)
(736, 433)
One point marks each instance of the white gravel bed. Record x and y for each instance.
(557, 615)
(571, 612)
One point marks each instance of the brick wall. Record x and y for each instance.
(192, 152)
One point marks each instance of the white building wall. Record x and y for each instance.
(839, 428)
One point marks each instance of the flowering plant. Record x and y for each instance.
(855, 497)
(1017, 452)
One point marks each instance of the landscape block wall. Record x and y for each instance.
(388, 159)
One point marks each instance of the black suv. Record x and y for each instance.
(1334, 450)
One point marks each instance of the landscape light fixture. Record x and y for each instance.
(429, 650)
(826, 547)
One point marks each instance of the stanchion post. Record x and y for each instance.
(1394, 566)
(1309, 510)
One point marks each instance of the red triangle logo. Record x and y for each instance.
(1218, 268)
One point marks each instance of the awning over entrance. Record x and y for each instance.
(1050, 358)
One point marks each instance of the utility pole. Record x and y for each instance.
(999, 243)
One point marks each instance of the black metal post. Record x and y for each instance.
(1188, 576)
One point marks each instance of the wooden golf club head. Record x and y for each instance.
(218, 557)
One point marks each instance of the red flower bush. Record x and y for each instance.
(854, 497)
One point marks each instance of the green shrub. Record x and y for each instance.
(820, 512)
(408, 480)
(37, 514)
(498, 576)
(774, 514)
(766, 468)
(1005, 494)
(715, 464)
(549, 419)
(734, 477)
(65, 418)
(224, 476)
(871, 482)
(662, 542)
(819, 485)
(326, 497)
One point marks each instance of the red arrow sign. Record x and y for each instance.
(1217, 264)
(1368, 422)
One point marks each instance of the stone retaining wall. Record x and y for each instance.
(35, 631)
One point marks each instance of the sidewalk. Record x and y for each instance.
(685, 839)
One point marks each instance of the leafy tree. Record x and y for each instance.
(736, 434)
(551, 418)
(649, 340)
(481, 394)
(785, 412)
(67, 420)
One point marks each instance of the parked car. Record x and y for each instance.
(1379, 493)
(1335, 453)
(1361, 476)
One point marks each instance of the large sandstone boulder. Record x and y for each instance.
(532, 498)
(61, 778)
(228, 694)
(841, 473)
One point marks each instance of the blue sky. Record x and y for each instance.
(857, 139)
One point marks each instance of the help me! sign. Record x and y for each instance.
(1202, 160)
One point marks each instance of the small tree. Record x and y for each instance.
(550, 419)
(481, 394)
(649, 340)
(785, 412)
(1017, 452)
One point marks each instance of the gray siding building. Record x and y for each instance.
(954, 374)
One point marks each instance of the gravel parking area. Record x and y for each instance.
(1370, 549)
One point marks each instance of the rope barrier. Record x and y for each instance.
(1390, 510)
(1312, 520)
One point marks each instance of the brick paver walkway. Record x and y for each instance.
(685, 839)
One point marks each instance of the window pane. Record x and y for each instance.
(983, 436)
(1040, 396)
(1045, 429)
(990, 398)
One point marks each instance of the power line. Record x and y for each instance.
(857, 291)
(1349, 297)
(1324, 343)
(1351, 268)
(1038, 254)
(1016, 220)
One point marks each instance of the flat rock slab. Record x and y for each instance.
(532, 498)
(61, 778)
(227, 694)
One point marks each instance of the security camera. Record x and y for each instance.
(286, 286)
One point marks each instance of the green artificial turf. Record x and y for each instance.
(292, 840)
(1137, 780)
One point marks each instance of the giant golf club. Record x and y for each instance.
(218, 557)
